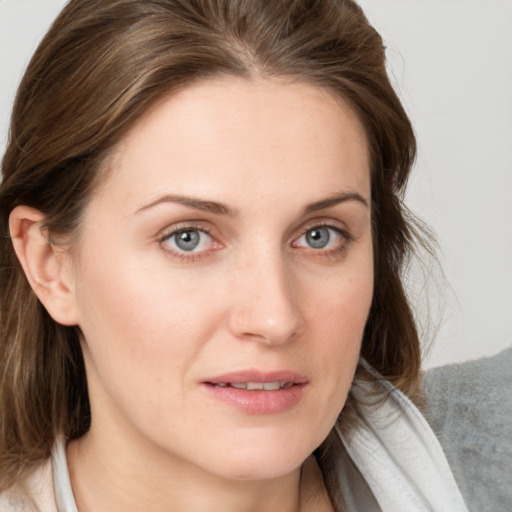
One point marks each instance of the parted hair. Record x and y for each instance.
(101, 66)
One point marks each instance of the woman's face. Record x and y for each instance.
(223, 277)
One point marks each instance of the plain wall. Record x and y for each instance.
(451, 61)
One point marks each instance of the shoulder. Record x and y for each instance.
(34, 494)
(470, 410)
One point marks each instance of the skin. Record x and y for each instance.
(157, 321)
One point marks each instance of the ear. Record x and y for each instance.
(48, 267)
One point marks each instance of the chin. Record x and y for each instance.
(271, 468)
(259, 459)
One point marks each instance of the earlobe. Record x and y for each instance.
(46, 266)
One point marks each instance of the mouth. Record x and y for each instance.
(258, 393)
(254, 386)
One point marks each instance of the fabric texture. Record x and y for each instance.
(33, 494)
(470, 410)
(399, 456)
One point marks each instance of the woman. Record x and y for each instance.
(203, 240)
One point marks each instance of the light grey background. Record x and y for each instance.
(451, 61)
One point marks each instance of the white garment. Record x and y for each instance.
(62, 484)
(394, 450)
(399, 457)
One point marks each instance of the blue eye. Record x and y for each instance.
(320, 237)
(189, 240)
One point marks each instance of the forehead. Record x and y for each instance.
(236, 138)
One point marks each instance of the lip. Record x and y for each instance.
(258, 402)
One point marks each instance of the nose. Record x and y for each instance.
(265, 302)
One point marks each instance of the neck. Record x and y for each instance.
(107, 477)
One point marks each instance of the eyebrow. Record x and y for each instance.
(192, 202)
(221, 209)
(334, 200)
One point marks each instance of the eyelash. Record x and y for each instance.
(330, 254)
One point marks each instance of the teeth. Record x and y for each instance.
(239, 385)
(257, 386)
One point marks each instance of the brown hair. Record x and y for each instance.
(101, 66)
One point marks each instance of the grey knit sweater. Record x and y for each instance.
(470, 410)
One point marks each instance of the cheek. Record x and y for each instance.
(142, 329)
(342, 314)
(341, 329)
(339, 303)
(337, 316)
